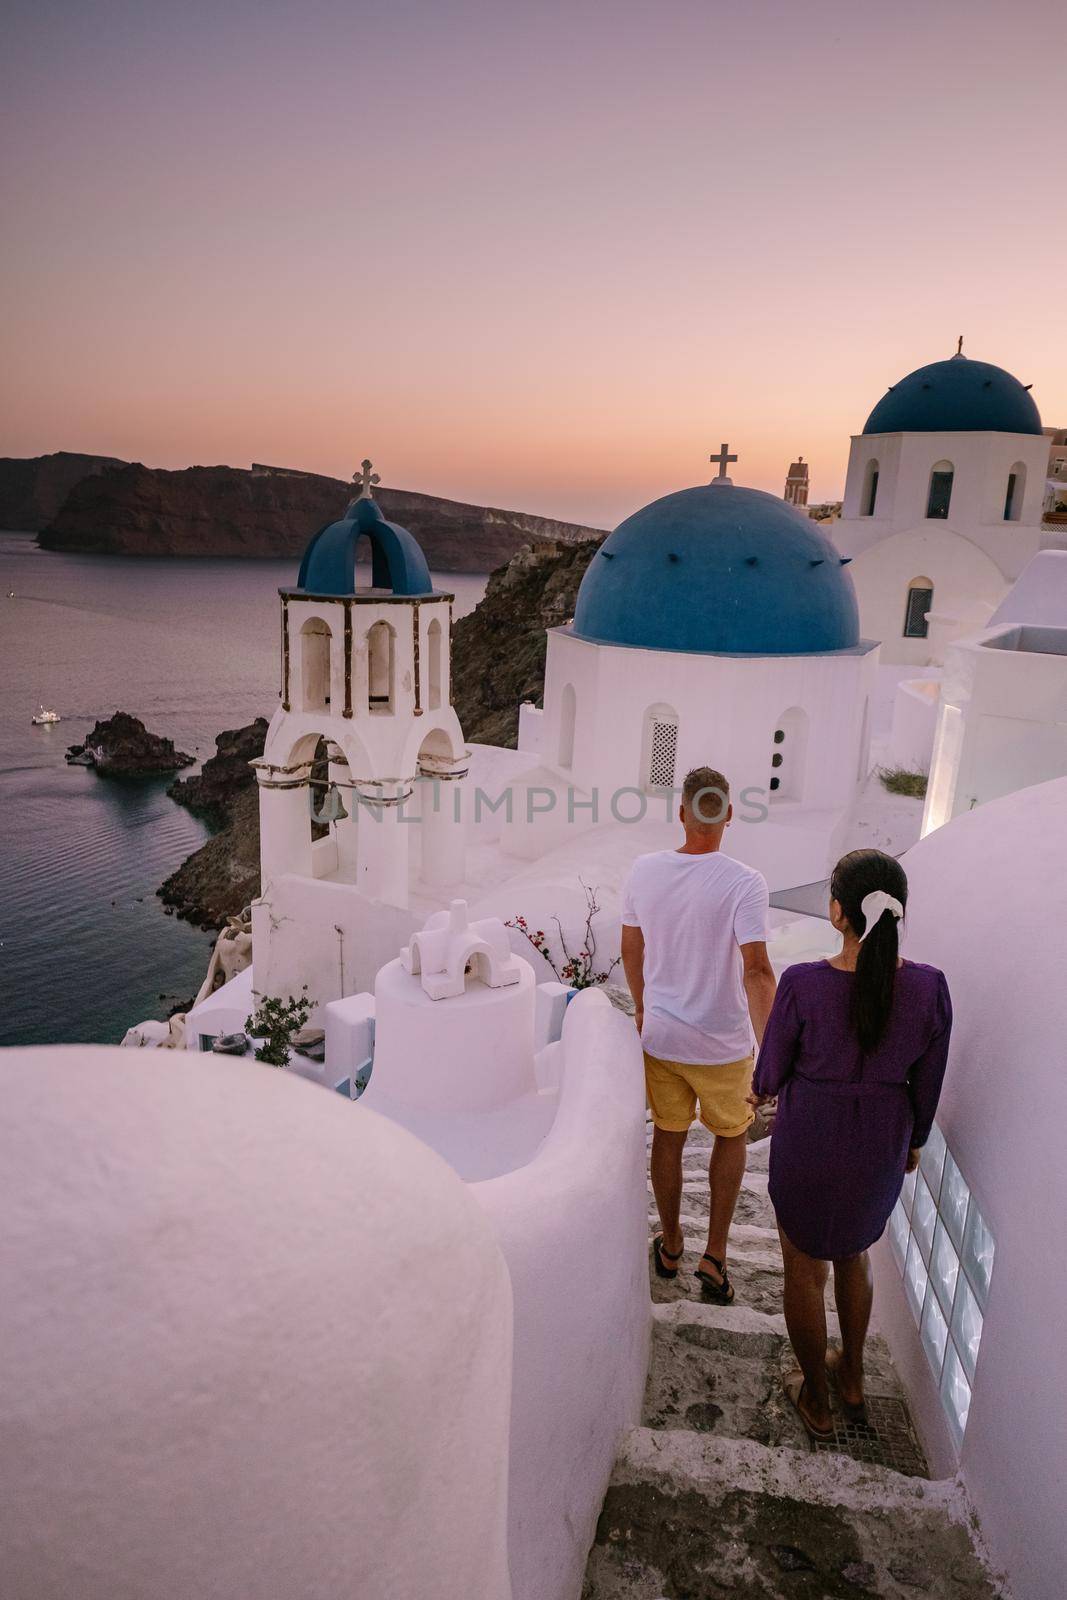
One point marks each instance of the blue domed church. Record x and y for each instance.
(942, 506)
(718, 627)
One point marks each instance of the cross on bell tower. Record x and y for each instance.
(365, 480)
(723, 458)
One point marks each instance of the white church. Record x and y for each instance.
(374, 1311)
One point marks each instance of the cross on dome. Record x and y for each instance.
(723, 458)
(365, 480)
(959, 345)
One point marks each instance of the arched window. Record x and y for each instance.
(920, 599)
(315, 664)
(940, 496)
(381, 666)
(870, 489)
(660, 748)
(568, 710)
(434, 654)
(789, 755)
(1013, 498)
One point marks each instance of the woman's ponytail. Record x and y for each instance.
(872, 891)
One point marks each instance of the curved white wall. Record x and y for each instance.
(966, 583)
(257, 1343)
(986, 904)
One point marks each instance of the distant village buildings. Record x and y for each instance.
(796, 483)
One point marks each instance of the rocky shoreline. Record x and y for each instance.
(122, 747)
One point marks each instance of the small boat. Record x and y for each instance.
(42, 718)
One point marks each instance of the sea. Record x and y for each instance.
(190, 647)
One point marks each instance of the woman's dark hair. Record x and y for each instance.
(857, 875)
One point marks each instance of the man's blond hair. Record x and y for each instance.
(706, 796)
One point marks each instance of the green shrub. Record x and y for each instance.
(275, 1022)
(902, 780)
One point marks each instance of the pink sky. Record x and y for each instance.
(543, 256)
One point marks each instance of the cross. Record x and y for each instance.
(959, 345)
(365, 480)
(723, 458)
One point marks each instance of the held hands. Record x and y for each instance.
(758, 1100)
(912, 1161)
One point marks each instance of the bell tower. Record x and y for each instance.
(358, 778)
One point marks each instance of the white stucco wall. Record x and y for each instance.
(257, 1342)
(967, 586)
(985, 904)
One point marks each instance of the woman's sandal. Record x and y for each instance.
(856, 1414)
(662, 1256)
(720, 1294)
(793, 1386)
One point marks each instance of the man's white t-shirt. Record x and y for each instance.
(695, 911)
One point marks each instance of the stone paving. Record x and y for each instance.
(719, 1491)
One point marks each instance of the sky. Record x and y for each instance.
(543, 256)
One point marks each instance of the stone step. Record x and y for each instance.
(691, 1514)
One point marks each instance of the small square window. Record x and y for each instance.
(955, 1196)
(978, 1252)
(955, 1393)
(915, 1279)
(934, 1333)
(967, 1327)
(923, 1218)
(944, 1268)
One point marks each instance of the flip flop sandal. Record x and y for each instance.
(856, 1414)
(662, 1256)
(720, 1294)
(793, 1386)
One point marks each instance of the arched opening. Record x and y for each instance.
(659, 755)
(434, 665)
(381, 667)
(869, 497)
(789, 755)
(315, 664)
(940, 496)
(1013, 497)
(568, 710)
(919, 601)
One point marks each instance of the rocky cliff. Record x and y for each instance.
(122, 747)
(33, 488)
(224, 511)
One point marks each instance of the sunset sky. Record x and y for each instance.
(545, 256)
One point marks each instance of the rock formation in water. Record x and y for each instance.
(498, 659)
(224, 511)
(122, 747)
(33, 488)
(498, 651)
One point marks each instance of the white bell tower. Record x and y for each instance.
(362, 761)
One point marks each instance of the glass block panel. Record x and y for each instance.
(934, 1331)
(898, 1234)
(923, 1217)
(955, 1393)
(907, 1194)
(967, 1327)
(915, 1279)
(932, 1160)
(944, 1267)
(953, 1202)
(978, 1253)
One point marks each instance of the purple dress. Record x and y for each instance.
(845, 1120)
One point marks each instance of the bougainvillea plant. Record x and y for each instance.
(577, 970)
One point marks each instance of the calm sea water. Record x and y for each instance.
(190, 647)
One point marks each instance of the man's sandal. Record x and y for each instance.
(662, 1256)
(720, 1294)
(793, 1385)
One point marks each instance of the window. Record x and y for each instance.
(568, 708)
(944, 1251)
(870, 490)
(920, 599)
(940, 495)
(790, 740)
(1013, 498)
(434, 653)
(315, 665)
(381, 666)
(661, 747)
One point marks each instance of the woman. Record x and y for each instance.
(855, 1049)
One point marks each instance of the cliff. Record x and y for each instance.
(498, 659)
(225, 511)
(33, 488)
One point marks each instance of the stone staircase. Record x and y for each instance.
(720, 1492)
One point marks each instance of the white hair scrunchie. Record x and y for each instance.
(874, 905)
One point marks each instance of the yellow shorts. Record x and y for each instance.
(674, 1087)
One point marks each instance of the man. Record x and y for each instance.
(695, 955)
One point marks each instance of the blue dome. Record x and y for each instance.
(956, 396)
(397, 561)
(723, 570)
